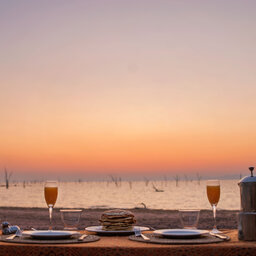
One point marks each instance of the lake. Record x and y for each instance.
(188, 194)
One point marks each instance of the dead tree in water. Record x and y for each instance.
(156, 189)
(186, 178)
(141, 206)
(146, 181)
(144, 205)
(114, 179)
(7, 177)
(199, 177)
(177, 178)
(165, 180)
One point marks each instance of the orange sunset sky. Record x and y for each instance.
(128, 86)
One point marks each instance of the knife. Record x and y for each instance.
(219, 236)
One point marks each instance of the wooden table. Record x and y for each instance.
(116, 246)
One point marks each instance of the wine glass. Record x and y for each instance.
(50, 194)
(213, 194)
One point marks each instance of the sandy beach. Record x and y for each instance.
(38, 218)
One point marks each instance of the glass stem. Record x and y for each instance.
(214, 216)
(50, 215)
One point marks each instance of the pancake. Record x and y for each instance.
(117, 219)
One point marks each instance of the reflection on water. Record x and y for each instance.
(127, 195)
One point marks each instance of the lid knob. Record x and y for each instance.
(251, 170)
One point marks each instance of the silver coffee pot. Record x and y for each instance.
(247, 214)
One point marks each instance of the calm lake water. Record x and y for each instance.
(127, 195)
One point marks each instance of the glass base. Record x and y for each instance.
(215, 231)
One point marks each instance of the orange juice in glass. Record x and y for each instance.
(213, 194)
(50, 195)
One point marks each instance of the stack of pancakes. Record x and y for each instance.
(117, 220)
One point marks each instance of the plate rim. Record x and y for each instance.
(115, 231)
(198, 232)
(47, 232)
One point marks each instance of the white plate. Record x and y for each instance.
(181, 233)
(100, 231)
(50, 234)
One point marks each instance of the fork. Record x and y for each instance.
(137, 232)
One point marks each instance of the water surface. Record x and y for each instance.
(126, 195)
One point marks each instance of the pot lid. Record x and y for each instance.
(250, 178)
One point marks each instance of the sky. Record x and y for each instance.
(138, 86)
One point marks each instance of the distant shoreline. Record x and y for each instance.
(29, 217)
(123, 178)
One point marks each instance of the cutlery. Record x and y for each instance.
(219, 236)
(151, 228)
(18, 233)
(11, 237)
(82, 237)
(137, 232)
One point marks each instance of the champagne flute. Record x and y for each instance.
(50, 195)
(213, 194)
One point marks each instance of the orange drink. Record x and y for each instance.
(213, 194)
(50, 194)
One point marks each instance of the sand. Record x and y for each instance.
(38, 218)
